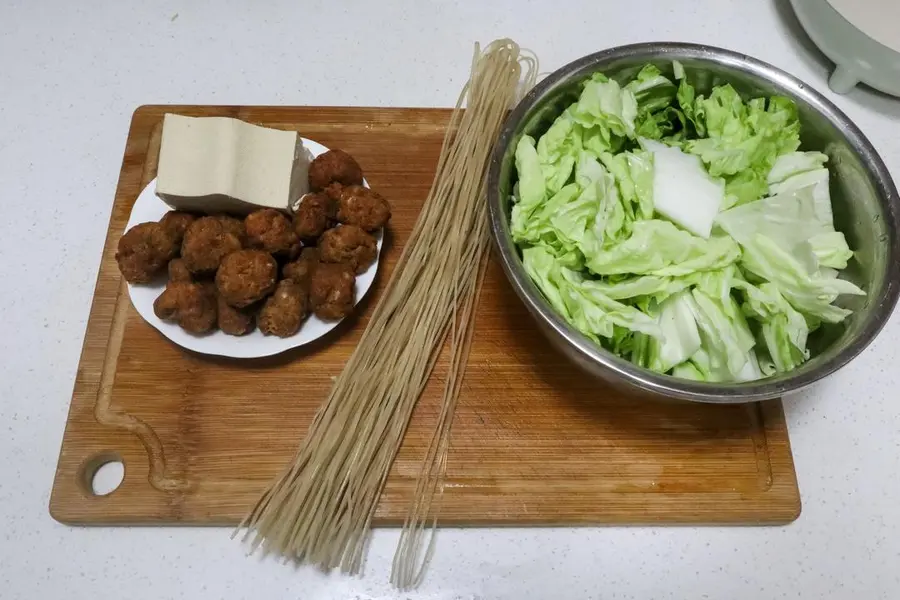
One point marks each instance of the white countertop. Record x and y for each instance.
(71, 73)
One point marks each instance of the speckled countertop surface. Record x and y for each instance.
(71, 73)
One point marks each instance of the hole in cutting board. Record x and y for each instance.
(103, 474)
(107, 478)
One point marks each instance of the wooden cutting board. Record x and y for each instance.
(535, 440)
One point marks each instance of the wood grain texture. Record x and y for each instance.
(535, 441)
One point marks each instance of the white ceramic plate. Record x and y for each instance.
(150, 208)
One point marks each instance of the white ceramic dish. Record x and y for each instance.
(148, 207)
(857, 56)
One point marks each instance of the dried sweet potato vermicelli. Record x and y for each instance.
(319, 509)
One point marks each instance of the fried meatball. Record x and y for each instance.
(314, 215)
(144, 251)
(206, 242)
(190, 305)
(271, 231)
(284, 311)
(348, 244)
(233, 226)
(210, 287)
(234, 321)
(331, 293)
(334, 166)
(178, 271)
(176, 222)
(361, 206)
(246, 276)
(333, 191)
(301, 270)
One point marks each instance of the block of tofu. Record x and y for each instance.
(219, 164)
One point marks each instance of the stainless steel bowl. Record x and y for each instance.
(864, 197)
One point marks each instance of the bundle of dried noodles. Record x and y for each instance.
(319, 510)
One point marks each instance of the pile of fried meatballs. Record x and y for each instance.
(268, 269)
